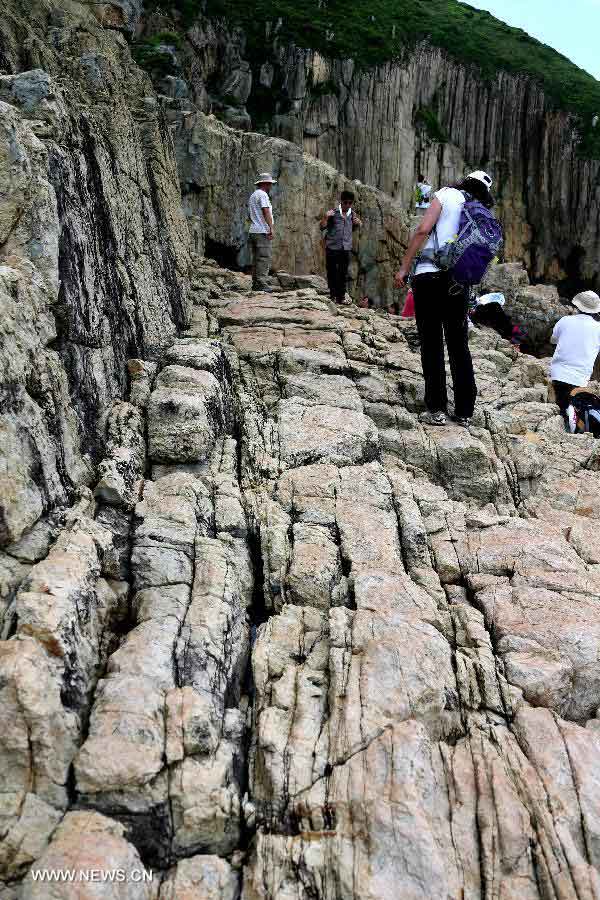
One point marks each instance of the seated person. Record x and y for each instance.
(577, 339)
(489, 312)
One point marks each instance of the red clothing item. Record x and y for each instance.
(409, 306)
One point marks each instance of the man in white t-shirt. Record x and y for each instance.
(423, 193)
(441, 306)
(261, 231)
(578, 343)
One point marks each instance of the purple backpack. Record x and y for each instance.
(478, 241)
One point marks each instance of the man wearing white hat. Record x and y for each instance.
(578, 343)
(261, 231)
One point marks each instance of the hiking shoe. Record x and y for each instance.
(461, 420)
(432, 418)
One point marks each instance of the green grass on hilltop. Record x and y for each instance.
(373, 31)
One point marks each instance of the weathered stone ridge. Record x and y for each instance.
(93, 246)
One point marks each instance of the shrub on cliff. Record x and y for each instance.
(158, 54)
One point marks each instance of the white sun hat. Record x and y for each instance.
(483, 177)
(587, 302)
(265, 178)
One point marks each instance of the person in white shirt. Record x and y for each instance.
(261, 231)
(423, 193)
(441, 306)
(577, 339)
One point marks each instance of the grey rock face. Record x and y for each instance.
(239, 84)
(120, 473)
(119, 14)
(86, 198)
(31, 92)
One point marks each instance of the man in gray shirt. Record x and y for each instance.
(337, 227)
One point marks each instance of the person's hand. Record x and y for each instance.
(270, 235)
(330, 212)
(356, 220)
(400, 278)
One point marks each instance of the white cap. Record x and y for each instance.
(483, 177)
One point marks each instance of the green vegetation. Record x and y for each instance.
(231, 100)
(427, 119)
(372, 31)
(151, 55)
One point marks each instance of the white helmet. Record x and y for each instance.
(483, 177)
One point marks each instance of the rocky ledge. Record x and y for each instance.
(292, 644)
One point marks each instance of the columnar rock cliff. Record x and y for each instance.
(366, 123)
(261, 632)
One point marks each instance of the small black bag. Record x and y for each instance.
(587, 412)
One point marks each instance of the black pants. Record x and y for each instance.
(441, 312)
(562, 392)
(337, 262)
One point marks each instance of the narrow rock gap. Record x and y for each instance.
(345, 561)
(258, 612)
(454, 662)
(499, 664)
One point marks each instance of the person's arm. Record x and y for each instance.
(420, 236)
(268, 217)
(556, 332)
(326, 217)
(356, 222)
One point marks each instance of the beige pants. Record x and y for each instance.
(262, 251)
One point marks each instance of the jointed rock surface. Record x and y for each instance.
(297, 645)
(260, 631)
